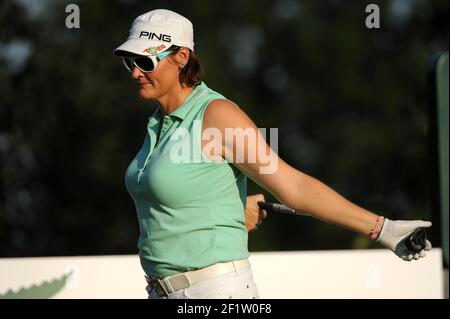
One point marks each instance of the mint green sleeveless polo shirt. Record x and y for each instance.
(191, 211)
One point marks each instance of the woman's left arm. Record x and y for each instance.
(248, 151)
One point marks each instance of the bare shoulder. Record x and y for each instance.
(222, 113)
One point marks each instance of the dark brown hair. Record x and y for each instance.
(192, 72)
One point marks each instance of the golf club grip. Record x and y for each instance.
(417, 240)
(278, 208)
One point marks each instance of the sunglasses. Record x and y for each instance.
(144, 63)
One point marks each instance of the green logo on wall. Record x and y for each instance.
(45, 290)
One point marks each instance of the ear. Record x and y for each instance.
(182, 57)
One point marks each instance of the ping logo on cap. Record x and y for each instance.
(152, 36)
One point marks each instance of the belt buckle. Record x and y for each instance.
(156, 286)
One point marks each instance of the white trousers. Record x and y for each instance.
(235, 285)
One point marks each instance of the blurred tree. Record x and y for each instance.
(349, 102)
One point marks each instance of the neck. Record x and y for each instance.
(174, 98)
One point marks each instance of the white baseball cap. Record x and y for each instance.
(155, 31)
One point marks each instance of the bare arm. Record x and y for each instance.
(290, 186)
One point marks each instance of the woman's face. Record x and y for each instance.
(155, 84)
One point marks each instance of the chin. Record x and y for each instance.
(146, 94)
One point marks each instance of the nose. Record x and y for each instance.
(136, 74)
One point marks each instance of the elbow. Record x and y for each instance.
(291, 194)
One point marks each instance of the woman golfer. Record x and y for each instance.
(189, 179)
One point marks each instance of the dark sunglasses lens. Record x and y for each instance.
(128, 64)
(145, 64)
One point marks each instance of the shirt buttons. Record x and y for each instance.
(166, 124)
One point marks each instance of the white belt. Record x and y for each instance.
(173, 283)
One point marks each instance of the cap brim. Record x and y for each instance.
(139, 47)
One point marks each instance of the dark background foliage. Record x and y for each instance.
(350, 104)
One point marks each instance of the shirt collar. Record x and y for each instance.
(182, 111)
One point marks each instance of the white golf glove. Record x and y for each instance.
(394, 233)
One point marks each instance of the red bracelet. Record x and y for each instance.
(377, 228)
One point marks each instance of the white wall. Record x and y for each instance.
(312, 274)
(347, 274)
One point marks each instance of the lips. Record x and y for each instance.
(145, 83)
(142, 85)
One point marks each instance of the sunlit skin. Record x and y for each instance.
(253, 214)
(290, 186)
(163, 85)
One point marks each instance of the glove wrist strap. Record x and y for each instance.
(377, 228)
